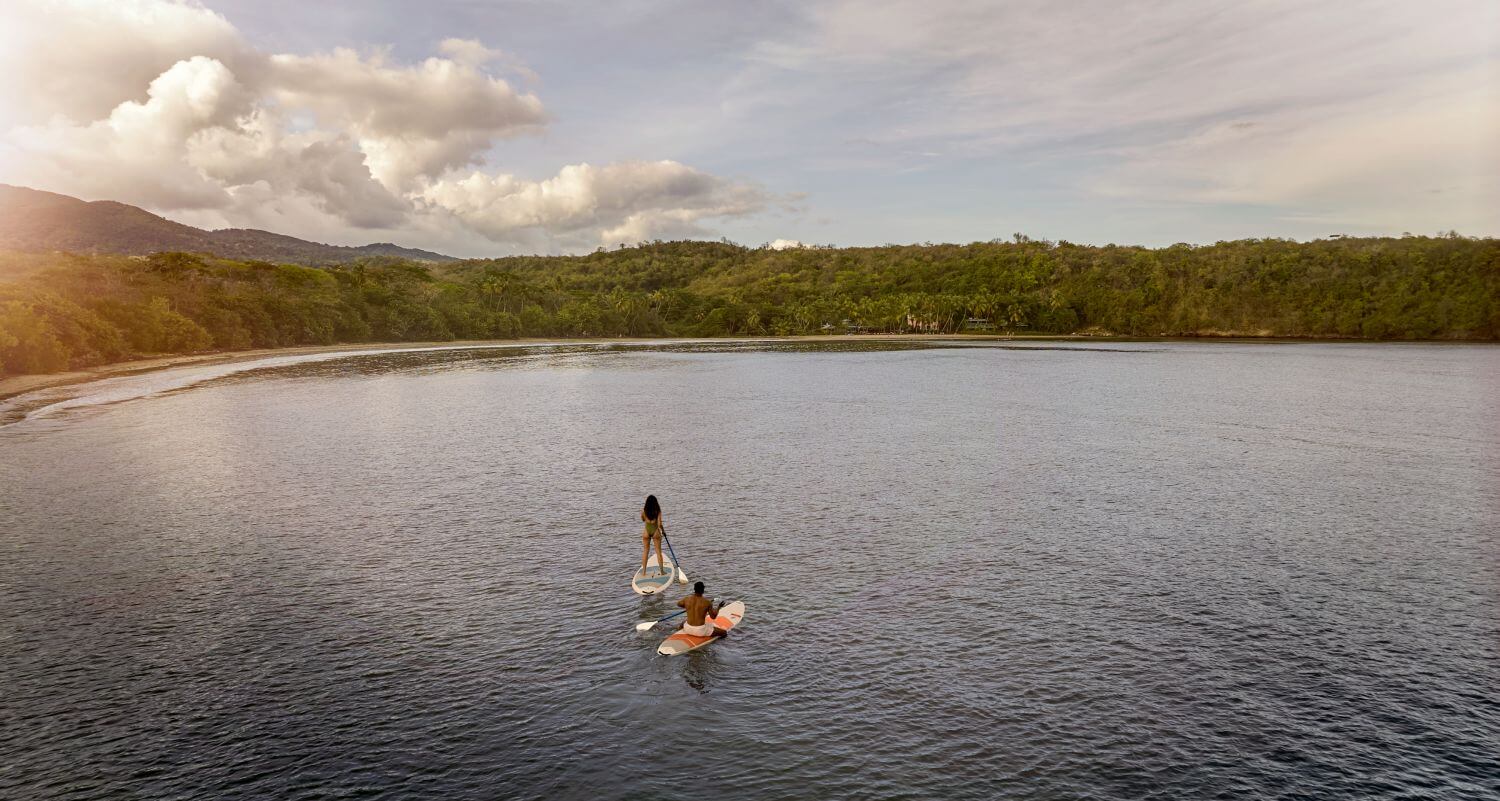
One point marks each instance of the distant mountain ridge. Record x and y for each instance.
(35, 221)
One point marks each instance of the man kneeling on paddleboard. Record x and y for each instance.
(699, 610)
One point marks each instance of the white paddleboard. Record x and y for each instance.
(651, 580)
(729, 616)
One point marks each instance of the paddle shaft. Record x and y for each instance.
(643, 626)
(675, 563)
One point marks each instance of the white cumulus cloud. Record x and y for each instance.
(411, 121)
(136, 152)
(164, 104)
(82, 59)
(624, 202)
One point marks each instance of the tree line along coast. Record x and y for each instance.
(61, 311)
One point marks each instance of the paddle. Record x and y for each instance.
(681, 574)
(649, 623)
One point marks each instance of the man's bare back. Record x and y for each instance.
(699, 610)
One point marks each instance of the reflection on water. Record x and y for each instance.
(1033, 570)
(54, 400)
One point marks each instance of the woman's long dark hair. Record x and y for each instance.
(653, 509)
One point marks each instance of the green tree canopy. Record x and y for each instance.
(65, 311)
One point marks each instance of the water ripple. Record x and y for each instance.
(1161, 571)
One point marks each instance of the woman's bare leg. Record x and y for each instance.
(659, 562)
(645, 552)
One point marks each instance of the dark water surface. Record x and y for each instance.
(1067, 571)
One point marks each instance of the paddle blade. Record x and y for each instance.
(644, 626)
(682, 576)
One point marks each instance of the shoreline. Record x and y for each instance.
(21, 384)
(15, 385)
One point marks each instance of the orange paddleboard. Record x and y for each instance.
(730, 615)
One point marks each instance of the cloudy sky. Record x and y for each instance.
(484, 127)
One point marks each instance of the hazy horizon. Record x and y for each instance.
(521, 127)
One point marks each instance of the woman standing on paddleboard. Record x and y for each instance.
(651, 516)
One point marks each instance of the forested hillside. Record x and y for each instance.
(64, 311)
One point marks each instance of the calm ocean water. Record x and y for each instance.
(1040, 570)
